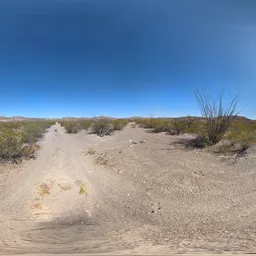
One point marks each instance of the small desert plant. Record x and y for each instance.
(218, 116)
(44, 189)
(102, 159)
(81, 184)
(91, 151)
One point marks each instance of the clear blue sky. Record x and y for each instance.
(124, 57)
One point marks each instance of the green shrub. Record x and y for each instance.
(159, 125)
(243, 134)
(102, 127)
(177, 127)
(10, 125)
(29, 151)
(32, 132)
(85, 124)
(17, 139)
(147, 123)
(195, 127)
(72, 127)
(173, 127)
(11, 145)
(119, 124)
(76, 125)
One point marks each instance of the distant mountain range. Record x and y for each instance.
(22, 118)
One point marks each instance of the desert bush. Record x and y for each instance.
(219, 117)
(156, 124)
(75, 126)
(242, 134)
(85, 124)
(29, 151)
(17, 139)
(173, 127)
(11, 145)
(147, 123)
(189, 121)
(177, 127)
(10, 125)
(119, 124)
(72, 126)
(160, 125)
(196, 127)
(102, 127)
(32, 132)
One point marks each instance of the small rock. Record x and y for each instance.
(168, 148)
(130, 146)
(134, 142)
(142, 141)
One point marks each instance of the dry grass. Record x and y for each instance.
(64, 187)
(37, 206)
(102, 159)
(44, 189)
(91, 151)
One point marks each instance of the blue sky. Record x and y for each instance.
(124, 57)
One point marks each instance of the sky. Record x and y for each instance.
(125, 58)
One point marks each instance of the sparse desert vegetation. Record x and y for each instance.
(101, 127)
(18, 139)
(140, 175)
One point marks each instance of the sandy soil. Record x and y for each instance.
(86, 194)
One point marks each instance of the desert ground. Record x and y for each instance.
(134, 192)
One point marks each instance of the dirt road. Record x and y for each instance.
(151, 197)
